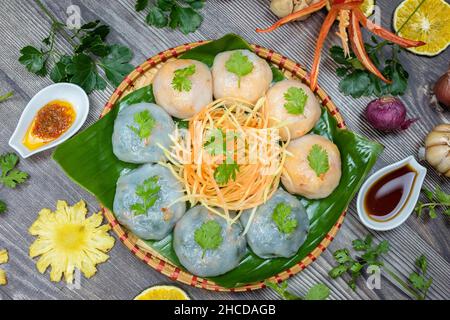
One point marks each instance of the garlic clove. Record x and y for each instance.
(282, 8)
(444, 165)
(435, 154)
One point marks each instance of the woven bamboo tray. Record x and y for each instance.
(142, 76)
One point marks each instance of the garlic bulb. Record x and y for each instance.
(437, 149)
(283, 8)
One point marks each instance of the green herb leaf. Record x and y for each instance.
(141, 5)
(116, 64)
(59, 73)
(318, 292)
(186, 18)
(216, 144)
(240, 65)
(439, 201)
(148, 191)
(181, 81)
(34, 60)
(145, 124)
(6, 96)
(338, 271)
(3, 207)
(283, 219)
(224, 172)
(342, 256)
(296, 99)
(209, 236)
(281, 289)
(83, 72)
(318, 160)
(11, 177)
(357, 81)
(157, 18)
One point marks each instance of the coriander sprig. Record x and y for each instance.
(357, 82)
(316, 292)
(296, 99)
(239, 64)
(145, 124)
(283, 218)
(182, 14)
(148, 192)
(439, 201)
(10, 177)
(181, 81)
(318, 160)
(370, 254)
(90, 51)
(225, 172)
(209, 236)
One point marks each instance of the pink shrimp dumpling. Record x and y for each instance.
(293, 106)
(313, 168)
(183, 87)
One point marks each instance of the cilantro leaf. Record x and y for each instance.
(34, 60)
(209, 236)
(6, 96)
(148, 191)
(157, 18)
(318, 160)
(116, 64)
(11, 177)
(296, 99)
(239, 64)
(438, 201)
(357, 81)
(224, 172)
(186, 18)
(318, 292)
(283, 219)
(337, 271)
(181, 81)
(3, 207)
(216, 144)
(141, 5)
(145, 124)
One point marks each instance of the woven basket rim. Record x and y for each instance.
(163, 265)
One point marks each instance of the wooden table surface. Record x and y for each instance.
(123, 276)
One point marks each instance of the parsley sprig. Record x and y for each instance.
(148, 192)
(182, 14)
(209, 236)
(90, 51)
(439, 201)
(318, 160)
(370, 254)
(316, 292)
(358, 82)
(181, 81)
(145, 124)
(296, 99)
(239, 64)
(10, 177)
(282, 217)
(225, 172)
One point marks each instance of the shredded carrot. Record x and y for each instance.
(260, 161)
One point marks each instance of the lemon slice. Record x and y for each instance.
(368, 7)
(162, 293)
(424, 20)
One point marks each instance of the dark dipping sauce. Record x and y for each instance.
(388, 195)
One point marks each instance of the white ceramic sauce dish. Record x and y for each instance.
(408, 206)
(71, 93)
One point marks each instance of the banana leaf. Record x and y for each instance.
(88, 159)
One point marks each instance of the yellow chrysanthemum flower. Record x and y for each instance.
(3, 259)
(68, 240)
